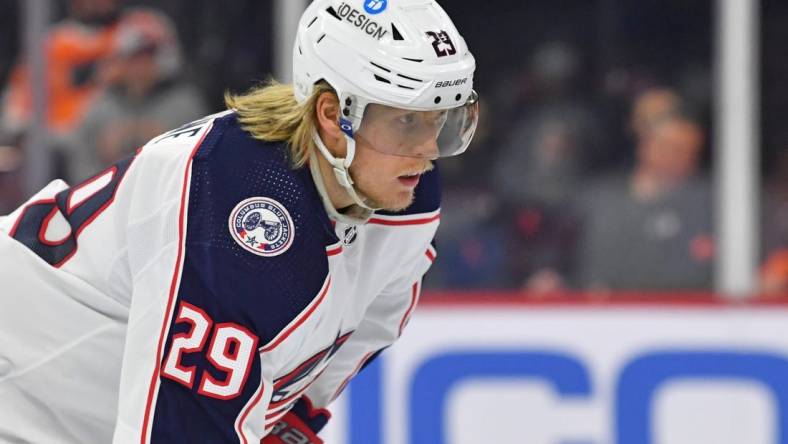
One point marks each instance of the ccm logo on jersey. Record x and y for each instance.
(448, 83)
(262, 226)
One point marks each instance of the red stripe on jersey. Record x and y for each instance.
(277, 406)
(334, 251)
(351, 375)
(285, 334)
(71, 206)
(247, 410)
(422, 221)
(278, 413)
(45, 226)
(430, 254)
(95, 215)
(414, 298)
(275, 418)
(173, 287)
(12, 233)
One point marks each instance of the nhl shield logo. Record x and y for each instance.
(262, 226)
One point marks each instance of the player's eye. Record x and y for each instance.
(407, 119)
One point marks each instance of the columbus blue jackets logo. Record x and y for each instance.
(262, 226)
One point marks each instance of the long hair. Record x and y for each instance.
(271, 113)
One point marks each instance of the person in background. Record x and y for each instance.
(74, 49)
(650, 229)
(651, 105)
(773, 274)
(146, 94)
(540, 166)
(11, 192)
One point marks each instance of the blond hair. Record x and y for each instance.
(271, 113)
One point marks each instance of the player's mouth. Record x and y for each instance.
(409, 180)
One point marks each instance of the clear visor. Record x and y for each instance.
(424, 134)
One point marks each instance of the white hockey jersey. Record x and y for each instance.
(194, 293)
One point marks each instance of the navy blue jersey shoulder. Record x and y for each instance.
(427, 196)
(233, 286)
(264, 293)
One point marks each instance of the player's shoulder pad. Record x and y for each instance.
(427, 197)
(256, 231)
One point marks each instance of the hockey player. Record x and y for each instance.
(225, 283)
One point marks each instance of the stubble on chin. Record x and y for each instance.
(396, 205)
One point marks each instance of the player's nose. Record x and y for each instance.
(427, 149)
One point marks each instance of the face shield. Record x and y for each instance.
(423, 134)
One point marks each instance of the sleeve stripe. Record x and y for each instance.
(274, 413)
(351, 375)
(413, 301)
(272, 418)
(431, 253)
(298, 321)
(239, 426)
(154, 383)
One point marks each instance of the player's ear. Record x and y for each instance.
(327, 110)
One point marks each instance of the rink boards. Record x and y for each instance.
(681, 371)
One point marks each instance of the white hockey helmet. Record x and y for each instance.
(397, 55)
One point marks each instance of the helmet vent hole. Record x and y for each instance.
(299, 50)
(413, 60)
(382, 79)
(410, 78)
(378, 66)
(331, 11)
(321, 38)
(438, 100)
(395, 33)
(406, 87)
(312, 22)
(458, 97)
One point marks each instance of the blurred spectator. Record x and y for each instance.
(10, 178)
(650, 106)
(145, 96)
(650, 229)
(74, 48)
(774, 230)
(540, 166)
(554, 132)
(773, 275)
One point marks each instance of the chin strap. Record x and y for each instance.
(341, 168)
(358, 214)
